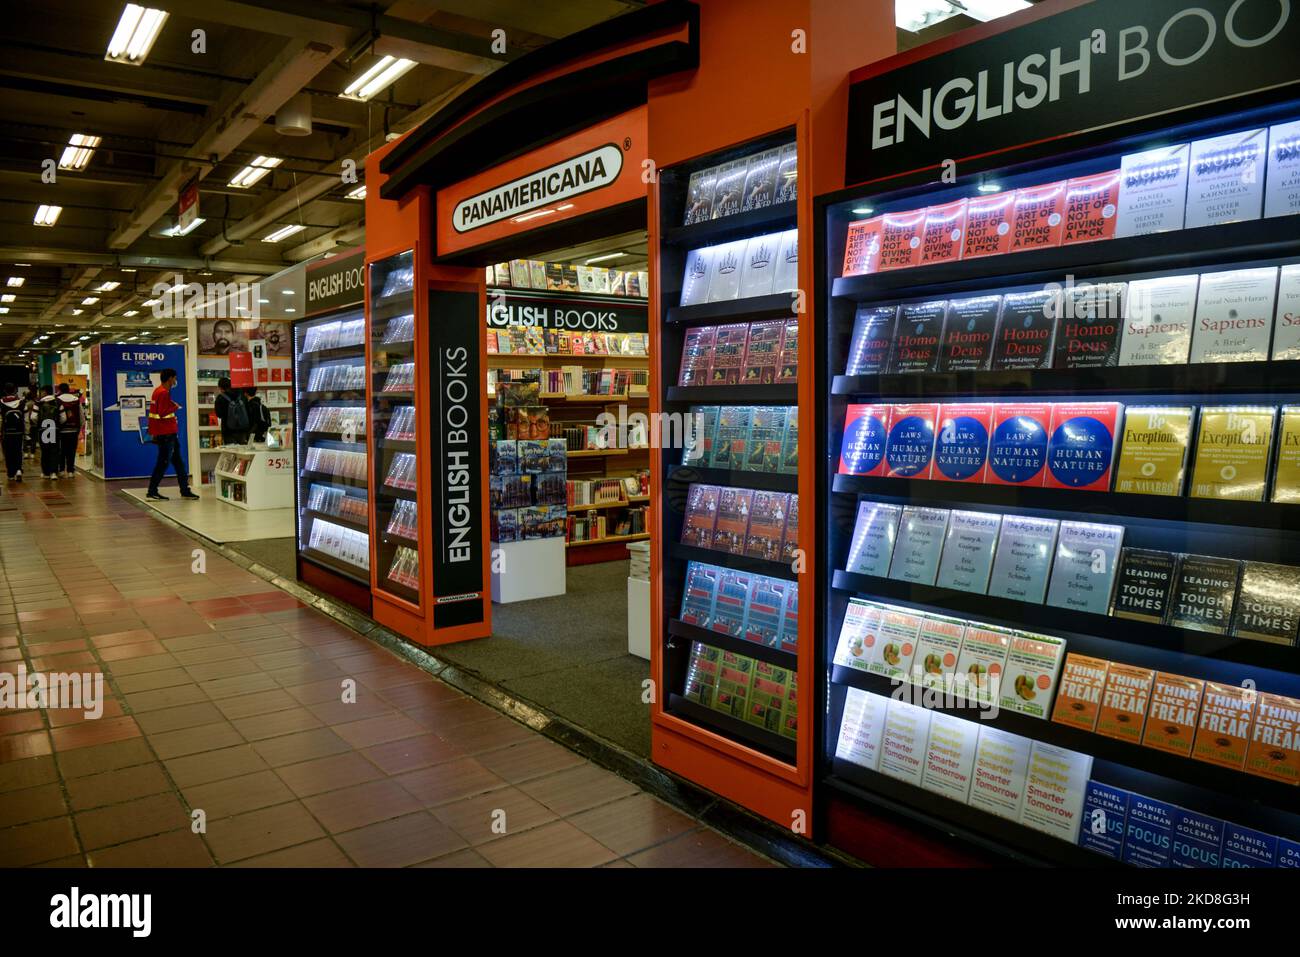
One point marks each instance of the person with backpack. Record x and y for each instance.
(31, 406)
(69, 428)
(259, 416)
(46, 426)
(13, 432)
(232, 412)
(164, 429)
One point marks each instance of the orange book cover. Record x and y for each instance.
(944, 233)
(1274, 750)
(1078, 698)
(1090, 206)
(900, 239)
(1038, 217)
(988, 225)
(1124, 702)
(1171, 719)
(862, 247)
(1223, 732)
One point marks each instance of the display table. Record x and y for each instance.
(254, 477)
(522, 571)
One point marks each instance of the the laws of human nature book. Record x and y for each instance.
(1286, 475)
(968, 330)
(1234, 315)
(1286, 322)
(1158, 318)
(1054, 787)
(999, 773)
(1198, 840)
(728, 267)
(861, 729)
(1026, 330)
(1032, 668)
(1233, 446)
(786, 275)
(1268, 603)
(699, 196)
(1083, 573)
(1153, 450)
(699, 593)
(1223, 730)
(1153, 191)
(1274, 750)
(981, 663)
(759, 266)
(917, 336)
(950, 756)
(1018, 444)
(1246, 847)
(988, 225)
(1038, 216)
(1124, 702)
(1225, 179)
(937, 647)
(968, 548)
(766, 525)
(859, 633)
(866, 429)
(1205, 591)
(1105, 811)
(1023, 558)
(1171, 715)
(943, 233)
(701, 515)
(895, 645)
(1145, 585)
(909, 450)
(1078, 699)
(961, 443)
(873, 539)
(1091, 204)
(921, 533)
(1091, 322)
(1081, 447)
(728, 354)
(903, 742)
(862, 247)
(697, 353)
(900, 239)
(1149, 834)
(762, 351)
(873, 336)
(698, 275)
(760, 180)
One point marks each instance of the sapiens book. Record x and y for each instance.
(699, 196)
(1153, 450)
(1124, 702)
(1054, 788)
(903, 742)
(970, 325)
(1234, 315)
(961, 445)
(938, 644)
(734, 506)
(1078, 699)
(1153, 191)
(1081, 448)
(1091, 204)
(728, 267)
(766, 525)
(1268, 603)
(1247, 847)
(786, 275)
(909, 450)
(1282, 180)
(728, 355)
(859, 633)
(866, 429)
(968, 547)
(1031, 672)
(1223, 729)
(762, 352)
(895, 645)
(874, 534)
(988, 225)
(787, 366)
(1205, 592)
(728, 188)
(917, 337)
(1026, 332)
(697, 353)
(1038, 217)
(730, 435)
(1286, 474)
(862, 247)
(921, 533)
(1286, 314)
(900, 239)
(1018, 444)
(1083, 572)
(1023, 558)
(981, 662)
(943, 233)
(759, 268)
(1171, 715)
(1145, 584)
(1000, 770)
(1274, 750)
(760, 180)
(1198, 840)
(699, 593)
(1225, 178)
(1149, 834)
(1090, 324)
(701, 515)
(1158, 318)
(873, 336)
(950, 756)
(697, 276)
(861, 729)
(1105, 812)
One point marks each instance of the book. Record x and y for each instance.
(1149, 833)
(1124, 701)
(1091, 322)
(787, 175)
(938, 644)
(909, 450)
(766, 525)
(1268, 603)
(763, 612)
(1223, 729)
(1274, 750)
(968, 547)
(1105, 813)
(790, 442)
(699, 196)
(1078, 700)
(1018, 444)
(968, 334)
(790, 540)
(729, 436)
(537, 274)
(1083, 572)
(862, 451)
(1282, 180)
(903, 741)
(785, 277)
(731, 602)
(760, 180)
(1225, 178)
(767, 696)
(862, 247)
(1153, 450)
(1197, 840)
(1091, 203)
(570, 274)
(728, 187)
(698, 594)
(873, 539)
(859, 633)
(1233, 446)
(1204, 593)
(762, 450)
(988, 225)
(891, 654)
(702, 673)
(1286, 314)
(734, 506)
(1246, 847)
(961, 443)
(701, 515)
(1031, 672)
(697, 353)
(861, 729)
(1234, 315)
(950, 756)
(980, 663)
(735, 676)
(900, 239)
(759, 266)
(1286, 475)
(921, 532)
(1023, 558)
(697, 440)
(1152, 191)
(943, 233)
(1026, 332)
(1082, 445)
(1288, 853)
(1145, 584)
(787, 366)
(1158, 318)
(728, 267)
(520, 274)
(1054, 787)
(1000, 772)
(698, 275)
(1171, 715)
(873, 336)
(1038, 217)
(916, 338)
(728, 356)
(762, 352)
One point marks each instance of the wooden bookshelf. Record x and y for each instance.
(609, 540)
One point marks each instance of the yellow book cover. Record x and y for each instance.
(1153, 453)
(1171, 719)
(1232, 452)
(1274, 750)
(1223, 732)
(1286, 479)
(1124, 702)
(1079, 697)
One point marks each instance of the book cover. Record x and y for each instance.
(790, 442)
(1105, 811)
(873, 539)
(1083, 573)
(728, 267)
(730, 434)
(1000, 772)
(536, 274)
(1078, 700)
(698, 275)
(760, 180)
(903, 741)
(1038, 217)
(1171, 716)
(759, 268)
(961, 444)
(1149, 833)
(873, 335)
(787, 366)
(968, 548)
(728, 353)
(787, 175)
(1286, 315)
(767, 696)
(938, 644)
(1091, 203)
(988, 225)
(1124, 702)
(968, 334)
(1018, 444)
(766, 604)
(587, 279)
(766, 525)
(891, 654)
(1233, 446)
(900, 239)
(730, 604)
(1023, 558)
(1204, 594)
(1288, 853)
(1282, 182)
(762, 351)
(790, 540)
(944, 233)
(702, 673)
(921, 532)
(699, 196)
(735, 676)
(861, 729)
(734, 506)
(1197, 840)
(1026, 333)
(980, 664)
(697, 441)
(701, 515)
(1054, 787)
(1223, 730)
(570, 274)
(1090, 325)
(786, 275)
(909, 450)
(1158, 318)
(1234, 315)
(916, 337)
(697, 354)
(728, 188)
(502, 274)
(862, 247)
(1145, 585)
(862, 451)
(1032, 669)
(1286, 476)
(950, 756)
(698, 594)
(763, 444)
(1153, 450)
(1225, 179)
(1268, 603)
(1082, 445)
(1246, 847)
(859, 633)
(1274, 750)
(1152, 191)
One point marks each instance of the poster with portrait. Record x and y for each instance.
(275, 333)
(220, 337)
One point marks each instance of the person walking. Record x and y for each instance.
(164, 429)
(69, 428)
(259, 417)
(13, 432)
(31, 406)
(46, 426)
(232, 412)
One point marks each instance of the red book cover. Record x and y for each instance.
(491, 343)
(1038, 217)
(697, 354)
(961, 441)
(767, 525)
(988, 225)
(862, 247)
(865, 431)
(909, 450)
(1081, 445)
(279, 375)
(701, 515)
(790, 540)
(787, 369)
(762, 352)
(734, 506)
(288, 375)
(1018, 443)
(900, 239)
(945, 228)
(1090, 207)
(728, 353)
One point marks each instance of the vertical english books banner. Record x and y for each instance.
(125, 379)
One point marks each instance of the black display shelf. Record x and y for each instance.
(333, 479)
(740, 563)
(751, 649)
(337, 520)
(1095, 635)
(403, 538)
(394, 492)
(775, 306)
(357, 351)
(733, 728)
(330, 432)
(336, 564)
(1204, 246)
(785, 393)
(1173, 508)
(1273, 794)
(397, 443)
(762, 481)
(755, 222)
(394, 393)
(360, 389)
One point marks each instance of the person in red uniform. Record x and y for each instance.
(163, 428)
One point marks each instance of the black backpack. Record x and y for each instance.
(13, 421)
(70, 417)
(237, 414)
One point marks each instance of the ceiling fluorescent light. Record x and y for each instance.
(47, 215)
(358, 193)
(254, 171)
(17, 280)
(90, 300)
(8, 297)
(77, 312)
(4, 308)
(135, 34)
(107, 286)
(917, 15)
(175, 231)
(601, 259)
(284, 232)
(78, 151)
(380, 75)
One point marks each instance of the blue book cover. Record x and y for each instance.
(1148, 836)
(1288, 853)
(910, 447)
(1246, 847)
(1105, 814)
(1198, 840)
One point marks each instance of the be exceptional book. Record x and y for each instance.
(1233, 447)
(873, 336)
(1234, 315)
(961, 445)
(917, 337)
(1037, 217)
(1091, 203)
(1081, 446)
(1018, 444)
(968, 334)
(1158, 318)
(900, 239)
(1153, 450)
(1026, 331)
(1286, 474)
(1090, 325)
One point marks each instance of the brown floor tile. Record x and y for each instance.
(164, 698)
(143, 664)
(173, 849)
(238, 685)
(578, 789)
(367, 705)
(28, 744)
(119, 823)
(178, 718)
(378, 730)
(153, 680)
(61, 717)
(237, 795)
(408, 754)
(533, 758)
(328, 773)
(230, 668)
(488, 734)
(17, 775)
(259, 702)
(633, 823)
(353, 807)
(303, 746)
(451, 781)
(115, 787)
(104, 757)
(400, 842)
(38, 842)
(422, 694)
(90, 733)
(260, 832)
(494, 815)
(441, 718)
(31, 804)
(141, 650)
(205, 737)
(197, 769)
(466, 858)
(318, 692)
(558, 844)
(322, 853)
(21, 721)
(115, 638)
(700, 848)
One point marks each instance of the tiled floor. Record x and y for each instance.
(213, 518)
(226, 696)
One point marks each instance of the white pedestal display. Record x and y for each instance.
(527, 570)
(254, 478)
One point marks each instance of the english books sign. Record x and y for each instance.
(572, 315)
